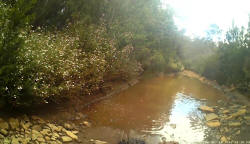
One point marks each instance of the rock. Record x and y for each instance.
(239, 113)
(14, 123)
(40, 139)
(35, 134)
(55, 136)
(1, 136)
(98, 142)
(25, 140)
(14, 140)
(213, 123)
(86, 123)
(73, 136)
(247, 123)
(4, 125)
(173, 126)
(4, 132)
(223, 139)
(206, 109)
(247, 117)
(74, 132)
(238, 132)
(68, 126)
(66, 139)
(225, 111)
(25, 118)
(47, 138)
(46, 132)
(211, 116)
(54, 127)
(25, 125)
(234, 124)
(38, 119)
(37, 127)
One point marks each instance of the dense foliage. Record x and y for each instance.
(226, 61)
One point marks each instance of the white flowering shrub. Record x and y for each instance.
(57, 64)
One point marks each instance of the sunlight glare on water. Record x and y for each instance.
(155, 108)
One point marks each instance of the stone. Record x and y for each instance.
(173, 126)
(239, 113)
(45, 132)
(25, 140)
(223, 139)
(47, 138)
(14, 140)
(213, 123)
(225, 111)
(25, 125)
(38, 119)
(98, 142)
(234, 124)
(54, 127)
(4, 125)
(68, 126)
(58, 142)
(55, 135)
(40, 139)
(206, 109)
(37, 127)
(14, 123)
(211, 116)
(2, 137)
(4, 132)
(25, 118)
(74, 132)
(35, 134)
(86, 123)
(73, 136)
(66, 139)
(238, 132)
(247, 117)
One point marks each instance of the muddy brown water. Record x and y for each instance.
(165, 106)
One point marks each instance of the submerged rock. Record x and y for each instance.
(211, 116)
(213, 123)
(206, 109)
(86, 123)
(223, 139)
(239, 113)
(234, 124)
(247, 117)
(225, 111)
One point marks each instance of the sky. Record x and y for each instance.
(195, 16)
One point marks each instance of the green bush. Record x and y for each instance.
(13, 20)
(71, 60)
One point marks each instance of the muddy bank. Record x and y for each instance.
(56, 123)
(229, 91)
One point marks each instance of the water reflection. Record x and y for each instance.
(184, 121)
(155, 108)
